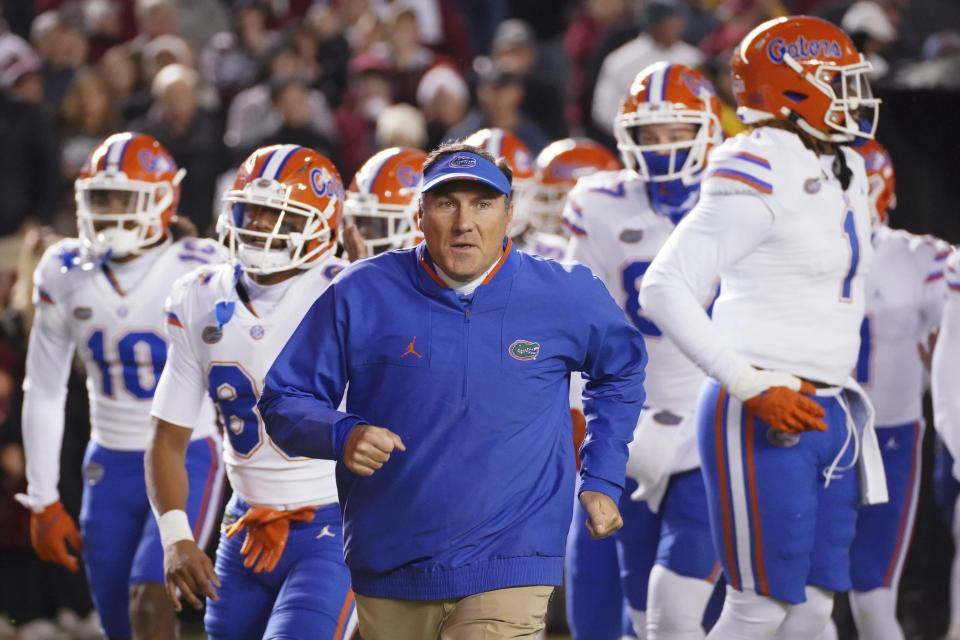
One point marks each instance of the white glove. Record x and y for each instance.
(750, 382)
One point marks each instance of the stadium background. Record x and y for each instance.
(329, 74)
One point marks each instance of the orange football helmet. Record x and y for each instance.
(806, 71)
(303, 189)
(127, 194)
(504, 144)
(559, 166)
(382, 199)
(665, 93)
(883, 186)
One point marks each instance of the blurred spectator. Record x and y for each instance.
(736, 19)
(199, 20)
(20, 69)
(28, 167)
(253, 116)
(444, 98)
(305, 47)
(580, 41)
(230, 61)
(939, 68)
(63, 50)
(291, 99)
(87, 116)
(515, 50)
(119, 69)
(154, 18)
(368, 93)
(401, 125)
(403, 48)
(103, 25)
(666, 21)
(192, 136)
(164, 50)
(333, 52)
(872, 32)
(500, 95)
(481, 18)
(442, 29)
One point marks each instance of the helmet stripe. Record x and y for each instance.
(277, 161)
(266, 162)
(115, 155)
(665, 81)
(496, 142)
(655, 86)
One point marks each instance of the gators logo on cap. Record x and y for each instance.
(524, 350)
(462, 162)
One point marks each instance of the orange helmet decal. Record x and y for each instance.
(303, 189)
(882, 180)
(127, 193)
(806, 71)
(382, 199)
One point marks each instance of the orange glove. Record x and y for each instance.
(787, 410)
(50, 531)
(267, 532)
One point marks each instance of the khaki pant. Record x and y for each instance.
(516, 612)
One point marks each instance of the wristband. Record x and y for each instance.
(174, 527)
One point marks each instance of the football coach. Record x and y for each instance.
(456, 458)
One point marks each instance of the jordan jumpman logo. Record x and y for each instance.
(410, 349)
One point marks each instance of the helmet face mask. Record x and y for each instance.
(284, 222)
(806, 71)
(668, 94)
(126, 196)
(382, 199)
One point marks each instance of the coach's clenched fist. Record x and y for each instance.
(368, 447)
(603, 516)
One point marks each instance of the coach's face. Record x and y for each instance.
(464, 223)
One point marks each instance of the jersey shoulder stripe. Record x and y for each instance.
(741, 160)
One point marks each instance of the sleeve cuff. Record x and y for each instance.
(341, 430)
(589, 483)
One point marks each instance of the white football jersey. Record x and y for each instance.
(118, 332)
(617, 234)
(905, 295)
(545, 245)
(230, 363)
(795, 301)
(945, 370)
(112, 316)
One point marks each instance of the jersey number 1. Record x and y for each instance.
(850, 231)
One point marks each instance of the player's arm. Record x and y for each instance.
(176, 402)
(945, 369)
(304, 387)
(49, 357)
(720, 231)
(933, 296)
(613, 369)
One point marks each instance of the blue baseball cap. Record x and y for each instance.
(464, 165)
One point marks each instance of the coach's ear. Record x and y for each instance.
(419, 215)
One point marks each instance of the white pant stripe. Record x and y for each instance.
(738, 493)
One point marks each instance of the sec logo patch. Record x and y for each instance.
(781, 439)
